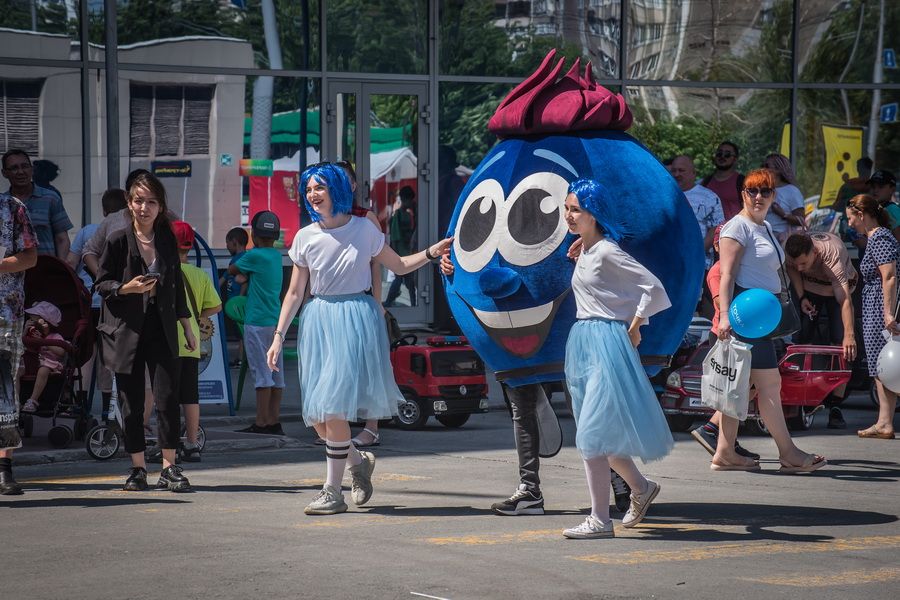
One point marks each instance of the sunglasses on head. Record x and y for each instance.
(765, 192)
(725, 154)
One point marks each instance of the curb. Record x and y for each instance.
(217, 446)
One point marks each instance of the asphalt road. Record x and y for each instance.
(428, 533)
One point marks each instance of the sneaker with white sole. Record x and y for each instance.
(523, 502)
(639, 504)
(361, 478)
(621, 491)
(328, 501)
(590, 529)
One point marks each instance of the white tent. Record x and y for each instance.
(393, 165)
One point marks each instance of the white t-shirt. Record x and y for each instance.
(789, 198)
(609, 283)
(339, 259)
(761, 259)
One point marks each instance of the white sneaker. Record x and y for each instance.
(361, 479)
(639, 505)
(328, 501)
(590, 529)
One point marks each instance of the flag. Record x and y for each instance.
(785, 148)
(843, 147)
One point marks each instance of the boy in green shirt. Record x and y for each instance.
(263, 264)
(202, 299)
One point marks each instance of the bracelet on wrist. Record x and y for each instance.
(428, 254)
(279, 334)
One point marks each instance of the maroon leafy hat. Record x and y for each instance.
(545, 103)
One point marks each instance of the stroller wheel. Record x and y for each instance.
(60, 436)
(101, 442)
(26, 422)
(201, 436)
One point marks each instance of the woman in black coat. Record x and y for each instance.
(143, 294)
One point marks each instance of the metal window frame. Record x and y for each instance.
(433, 77)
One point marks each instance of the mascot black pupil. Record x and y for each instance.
(477, 226)
(528, 223)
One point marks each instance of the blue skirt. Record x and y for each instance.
(344, 356)
(616, 410)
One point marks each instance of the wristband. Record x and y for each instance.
(428, 254)
(279, 334)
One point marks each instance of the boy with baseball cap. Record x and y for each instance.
(263, 265)
(203, 302)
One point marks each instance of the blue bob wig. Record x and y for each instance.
(335, 179)
(595, 198)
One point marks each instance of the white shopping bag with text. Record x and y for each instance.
(726, 378)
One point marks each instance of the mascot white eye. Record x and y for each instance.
(534, 219)
(475, 239)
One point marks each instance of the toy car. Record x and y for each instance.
(444, 378)
(809, 375)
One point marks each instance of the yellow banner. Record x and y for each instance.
(843, 147)
(785, 148)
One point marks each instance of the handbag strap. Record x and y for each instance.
(190, 295)
(781, 258)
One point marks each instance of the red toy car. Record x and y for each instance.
(809, 375)
(444, 378)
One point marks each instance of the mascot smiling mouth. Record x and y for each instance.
(520, 332)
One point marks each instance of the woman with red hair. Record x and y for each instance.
(751, 258)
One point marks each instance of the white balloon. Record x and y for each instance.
(888, 365)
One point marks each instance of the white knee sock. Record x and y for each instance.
(625, 467)
(336, 458)
(597, 471)
(353, 455)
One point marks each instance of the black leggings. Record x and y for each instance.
(152, 351)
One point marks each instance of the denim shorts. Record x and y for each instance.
(256, 344)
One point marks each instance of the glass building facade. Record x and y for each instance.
(231, 99)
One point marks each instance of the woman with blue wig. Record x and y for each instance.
(616, 411)
(345, 369)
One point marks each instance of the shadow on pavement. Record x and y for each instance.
(755, 519)
(89, 502)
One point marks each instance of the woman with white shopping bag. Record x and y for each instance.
(617, 415)
(750, 258)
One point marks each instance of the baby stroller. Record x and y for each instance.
(52, 280)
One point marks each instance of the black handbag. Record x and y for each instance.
(790, 318)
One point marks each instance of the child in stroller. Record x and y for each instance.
(41, 324)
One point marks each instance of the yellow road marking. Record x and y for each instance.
(399, 477)
(75, 479)
(835, 579)
(717, 551)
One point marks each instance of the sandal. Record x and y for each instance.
(734, 467)
(30, 406)
(376, 439)
(870, 433)
(812, 462)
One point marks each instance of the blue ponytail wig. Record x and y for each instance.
(595, 198)
(335, 179)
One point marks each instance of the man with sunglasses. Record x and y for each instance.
(725, 181)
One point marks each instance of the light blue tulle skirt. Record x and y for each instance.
(344, 356)
(616, 410)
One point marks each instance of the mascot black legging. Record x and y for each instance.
(152, 351)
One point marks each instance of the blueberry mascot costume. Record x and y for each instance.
(510, 290)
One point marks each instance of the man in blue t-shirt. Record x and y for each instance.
(45, 207)
(263, 265)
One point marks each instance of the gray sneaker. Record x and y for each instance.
(639, 505)
(328, 501)
(361, 479)
(590, 529)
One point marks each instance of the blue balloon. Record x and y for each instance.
(754, 313)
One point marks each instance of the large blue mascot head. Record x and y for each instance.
(511, 289)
